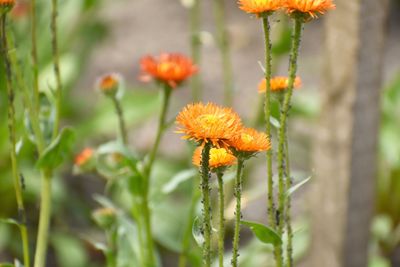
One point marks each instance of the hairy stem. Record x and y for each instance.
(56, 65)
(147, 176)
(205, 190)
(223, 43)
(121, 121)
(238, 212)
(221, 228)
(13, 141)
(195, 46)
(34, 54)
(296, 38)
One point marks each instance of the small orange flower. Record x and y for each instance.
(84, 157)
(109, 84)
(219, 157)
(250, 140)
(259, 7)
(311, 8)
(172, 69)
(278, 84)
(204, 123)
(6, 5)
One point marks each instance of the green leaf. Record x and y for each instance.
(197, 232)
(58, 150)
(275, 122)
(178, 179)
(6, 265)
(264, 233)
(9, 221)
(297, 186)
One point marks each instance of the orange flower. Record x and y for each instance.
(310, 8)
(219, 157)
(259, 7)
(250, 140)
(209, 122)
(84, 157)
(172, 69)
(109, 83)
(278, 84)
(6, 5)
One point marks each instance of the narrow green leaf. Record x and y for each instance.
(275, 122)
(197, 232)
(178, 179)
(58, 150)
(297, 186)
(6, 265)
(9, 221)
(264, 233)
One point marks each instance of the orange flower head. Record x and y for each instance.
(251, 141)
(109, 84)
(208, 123)
(84, 157)
(260, 7)
(6, 5)
(172, 69)
(278, 84)
(309, 9)
(219, 157)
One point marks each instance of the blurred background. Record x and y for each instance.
(351, 57)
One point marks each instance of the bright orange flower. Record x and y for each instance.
(259, 7)
(84, 157)
(278, 84)
(172, 69)
(7, 2)
(219, 157)
(311, 8)
(208, 122)
(250, 140)
(109, 83)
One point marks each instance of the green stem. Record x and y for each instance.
(121, 121)
(146, 209)
(34, 54)
(56, 63)
(44, 220)
(13, 140)
(136, 215)
(288, 217)
(223, 43)
(188, 231)
(205, 190)
(267, 112)
(195, 43)
(238, 212)
(221, 229)
(283, 123)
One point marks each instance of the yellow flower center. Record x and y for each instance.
(208, 119)
(246, 138)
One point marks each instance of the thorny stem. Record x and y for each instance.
(195, 43)
(223, 42)
(188, 231)
(267, 112)
(283, 124)
(221, 228)
(121, 120)
(13, 139)
(34, 54)
(146, 209)
(238, 212)
(288, 218)
(56, 64)
(205, 190)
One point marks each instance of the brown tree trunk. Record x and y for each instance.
(346, 141)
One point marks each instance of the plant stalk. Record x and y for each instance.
(146, 209)
(195, 46)
(34, 54)
(205, 190)
(221, 228)
(13, 141)
(238, 212)
(121, 121)
(283, 127)
(56, 65)
(223, 43)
